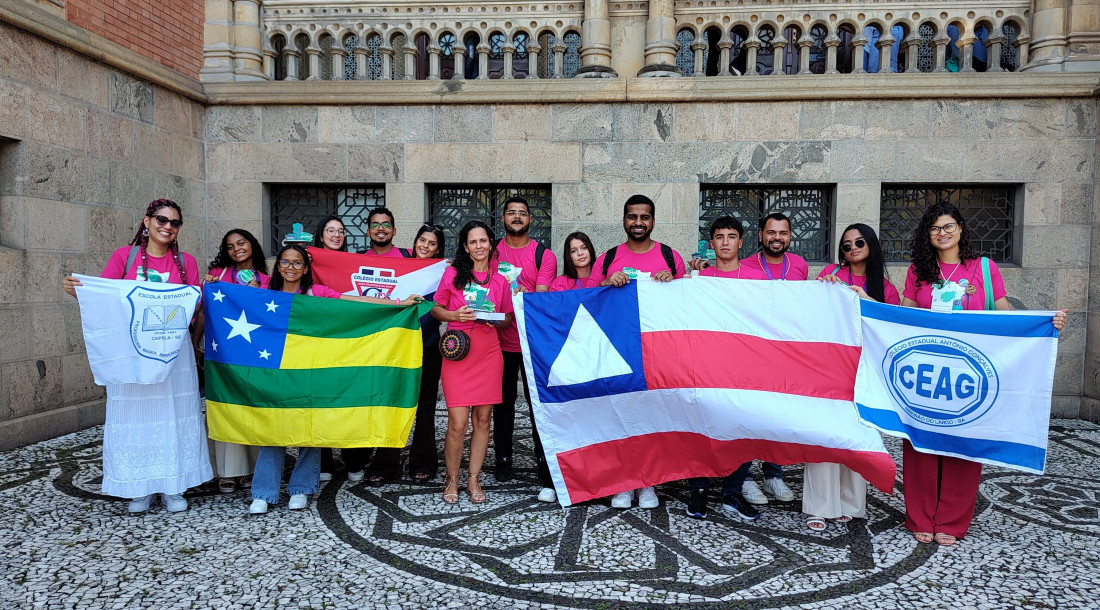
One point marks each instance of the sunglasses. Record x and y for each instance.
(846, 247)
(381, 225)
(164, 220)
(432, 227)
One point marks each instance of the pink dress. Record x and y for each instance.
(474, 380)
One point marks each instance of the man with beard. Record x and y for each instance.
(382, 229)
(538, 267)
(641, 253)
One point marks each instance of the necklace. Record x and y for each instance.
(768, 271)
(488, 276)
(948, 278)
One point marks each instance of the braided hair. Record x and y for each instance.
(925, 258)
(141, 237)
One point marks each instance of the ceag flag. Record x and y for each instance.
(300, 371)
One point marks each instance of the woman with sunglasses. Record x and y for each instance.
(423, 455)
(834, 491)
(472, 383)
(154, 436)
(577, 268)
(940, 491)
(294, 275)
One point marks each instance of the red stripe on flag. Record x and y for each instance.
(603, 469)
(710, 359)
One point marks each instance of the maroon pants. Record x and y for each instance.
(940, 492)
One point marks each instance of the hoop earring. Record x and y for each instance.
(145, 232)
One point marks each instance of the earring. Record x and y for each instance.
(145, 232)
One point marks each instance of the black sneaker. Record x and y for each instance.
(504, 470)
(736, 506)
(697, 505)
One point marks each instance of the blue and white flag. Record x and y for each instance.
(973, 385)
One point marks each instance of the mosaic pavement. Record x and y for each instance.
(1035, 543)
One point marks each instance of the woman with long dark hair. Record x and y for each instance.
(154, 436)
(946, 274)
(472, 383)
(578, 256)
(331, 234)
(834, 491)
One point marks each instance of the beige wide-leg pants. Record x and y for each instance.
(832, 490)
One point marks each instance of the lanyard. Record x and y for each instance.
(768, 272)
(578, 283)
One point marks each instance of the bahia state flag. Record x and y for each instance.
(377, 276)
(973, 385)
(300, 371)
(656, 382)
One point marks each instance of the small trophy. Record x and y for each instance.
(298, 235)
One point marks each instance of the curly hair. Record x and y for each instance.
(222, 259)
(276, 282)
(141, 238)
(463, 262)
(925, 257)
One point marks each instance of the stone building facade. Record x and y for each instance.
(392, 100)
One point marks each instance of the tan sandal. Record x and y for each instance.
(945, 539)
(923, 537)
(477, 497)
(450, 482)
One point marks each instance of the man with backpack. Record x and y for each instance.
(537, 267)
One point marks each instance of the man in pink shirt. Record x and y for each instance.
(773, 258)
(726, 236)
(382, 229)
(538, 268)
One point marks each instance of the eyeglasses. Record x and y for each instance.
(519, 213)
(381, 225)
(846, 247)
(948, 228)
(164, 220)
(432, 227)
(285, 264)
(334, 231)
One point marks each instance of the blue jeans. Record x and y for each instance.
(731, 483)
(304, 479)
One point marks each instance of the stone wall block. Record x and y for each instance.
(581, 122)
(31, 386)
(497, 163)
(521, 122)
(235, 200)
(13, 109)
(612, 161)
(13, 282)
(592, 203)
(767, 162)
(79, 77)
(345, 124)
(831, 120)
(132, 98)
(683, 237)
(152, 147)
(1091, 381)
(190, 194)
(1073, 287)
(220, 163)
(56, 226)
(993, 161)
(1055, 246)
(676, 203)
(863, 160)
(1030, 119)
(435, 162)
(1065, 161)
(130, 185)
(1062, 406)
(1069, 374)
(1071, 339)
(767, 121)
(49, 338)
(705, 122)
(897, 119)
(187, 157)
(857, 202)
(376, 162)
(1081, 118)
(55, 120)
(1042, 203)
(404, 123)
(173, 113)
(27, 58)
(642, 122)
(963, 119)
(603, 235)
(198, 121)
(1028, 288)
(54, 173)
(109, 135)
(257, 162)
(108, 228)
(290, 124)
(463, 123)
(1078, 203)
(318, 163)
(232, 124)
(929, 161)
(552, 161)
(674, 161)
(43, 271)
(77, 381)
(15, 327)
(13, 222)
(406, 201)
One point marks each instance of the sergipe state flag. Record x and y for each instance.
(376, 276)
(974, 385)
(295, 370)
(655, 382)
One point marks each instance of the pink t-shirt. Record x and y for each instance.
(393, 252)
(563, 282)
(229, 274)
(650, 262)
(849, 278)
(317, 290)
(971, 270)
(532, 275)
(741, 273)
(161, 268)
(797, 269)
(451, 298)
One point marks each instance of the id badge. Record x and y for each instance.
(947, 297)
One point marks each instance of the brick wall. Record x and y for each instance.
(167, 31)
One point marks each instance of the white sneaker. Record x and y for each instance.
(354, 477)
(779, 489)
(547, 494)
(258, 507)
(326, 477)
(140, 505)
(647, 498)
(175, 503)
(751, 492)
(623, 499)
(298, 502)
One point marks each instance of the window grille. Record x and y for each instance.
(350, 43)
(685, 57)
(818, 53)
(765, 55)
(374, 57)
(808, 207)
(326, 57)
(309, 204)
(926, 50)
(278, 43)
(572, 58)
(452, 206)
(1010, 53)
(989, 211)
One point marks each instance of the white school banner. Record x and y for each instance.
(134, 331)
(973, 385)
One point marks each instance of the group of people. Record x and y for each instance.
(148, 450)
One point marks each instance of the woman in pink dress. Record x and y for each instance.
(577, 268)
(472, 383)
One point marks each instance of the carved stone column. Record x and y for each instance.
(885, 51)
(361, 55)
(435, 52)
(387, 61)
(831, 44)
(660, 40)
(509, 51)
(858, 42)
(993, 44)
(533, 50)
(724, 47)
(804, 45)
(314, 52)
(912, 44)
(339, 54)
(559, 60)
(697, 48)
(270, 59)
(751, 45)
(596, 41)
(217, 48)
(1083, 39)
(941, 41)
(1048, 35)
(966, 53)
(411, 53)
(247, 41)
(483, 50)
(779, 55)
(460, 60)
(293, 59)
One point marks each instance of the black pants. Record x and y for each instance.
(423, 453)
(504, 416)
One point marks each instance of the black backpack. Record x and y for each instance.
(540, 252)
(666, 253)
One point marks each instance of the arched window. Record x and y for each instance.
(790, 50)
(685, 57)
(870, 50)
(712, 55)
(374, 57)
(738, 56)
(421, 41)
(818, 52)
(979, 53)
(926, 50)
(397, 70)
(496, 54)
(546, 59)
(898, 50)
(447, 44)
(325, 42)
(953, 59)
(278, 43)
(471, 42)
(521, 61)
(572, 60)
(1010, 51)
(350, 43)
(765, 56)
(302, 42)
(844, 51)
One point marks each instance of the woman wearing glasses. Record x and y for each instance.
(293, 275)
(834, 491)
(946, 274)
(331, 234)
(154, 436)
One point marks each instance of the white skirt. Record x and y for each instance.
(830, 491)
(154, 438)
